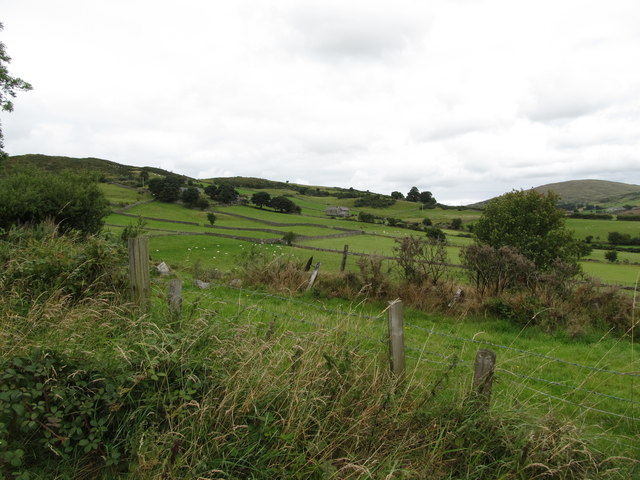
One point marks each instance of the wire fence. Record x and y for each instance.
(545, 388)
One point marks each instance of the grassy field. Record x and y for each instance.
(599, 229)
(377, 239)
(252, 382)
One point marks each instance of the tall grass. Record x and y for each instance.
(92, 388)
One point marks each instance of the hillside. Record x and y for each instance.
(579, 193)
(592, 191)
(112, 171)
(573, 193)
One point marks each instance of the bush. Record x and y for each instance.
(366, 217)
(72, 201)
(494, 270)
(420, 259)
(40, 261)
(374, 201)
(611, 256)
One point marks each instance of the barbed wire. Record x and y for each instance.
(586, 407)
(565, 385)
(419, 355)
(519, 350)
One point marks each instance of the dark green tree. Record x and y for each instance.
(211, 217)
(260, 199)
(284, 205)
(166, 189)
(397, 195)
(456, 223)
(427, 200)
(211, 191)
(413, 195)
(190, 196)
(531, 223)
(226, 194)
(9, 86)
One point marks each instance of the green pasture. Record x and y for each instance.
(613, 273)
(377, 240)
(224, 254)
(574, 380)
(623, 257)
(119, 195)
(600, 229)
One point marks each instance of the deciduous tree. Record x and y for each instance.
(531, 223)
(9, 86)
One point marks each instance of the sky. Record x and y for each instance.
(467, 99)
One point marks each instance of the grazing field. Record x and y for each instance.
(599, 229)
(261, 376)
(374, 239)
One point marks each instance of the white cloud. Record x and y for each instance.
(467, 99)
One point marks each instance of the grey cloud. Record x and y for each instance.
(361, 33)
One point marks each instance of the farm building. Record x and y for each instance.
(337, 211)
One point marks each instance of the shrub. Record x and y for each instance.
(40, 261)
(72, 201)
(611, 256)
(494, 270)
(366, 217)
(374, 201)
(420, 259)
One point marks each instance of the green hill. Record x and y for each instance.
(579, 193)
(110, 171)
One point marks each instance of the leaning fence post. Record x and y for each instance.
(139, 270)
(345, 252)
(483, 373)
(396, 338)
(314, 274)
(175, 297)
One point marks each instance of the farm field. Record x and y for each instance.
(376, 240)
(600, 229)
(261, 375)
(538, 373)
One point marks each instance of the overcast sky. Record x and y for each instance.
(465, 98)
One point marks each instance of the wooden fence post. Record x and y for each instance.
(345, 252)
(175, 298)
(139, 271)
(396, 338)
(483, 373)
(314, 274)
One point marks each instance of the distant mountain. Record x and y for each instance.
(579, 193)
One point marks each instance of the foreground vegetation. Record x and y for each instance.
(249, 385)
(277, 381)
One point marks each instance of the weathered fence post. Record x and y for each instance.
(314, 274)
(396, 338)
(345, 252)
(139, 270)
(175, 298)
(307, 267)
(483, 372)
